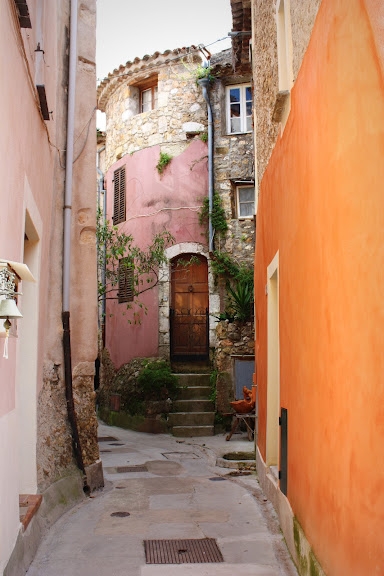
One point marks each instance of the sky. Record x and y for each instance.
(127, 29)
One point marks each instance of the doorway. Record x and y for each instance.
(189, 312)
(273, 367)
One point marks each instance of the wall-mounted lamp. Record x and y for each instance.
(8, 308)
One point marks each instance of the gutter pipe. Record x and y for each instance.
(67, 242)
(102, 192)
(204, 83)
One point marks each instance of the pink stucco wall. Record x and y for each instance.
(26, 178)
(154, 202)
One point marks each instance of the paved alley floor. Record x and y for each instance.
(158, 487)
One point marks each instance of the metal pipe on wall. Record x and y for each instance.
(67, 240)
(204, 83)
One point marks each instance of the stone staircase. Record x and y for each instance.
(194, 413)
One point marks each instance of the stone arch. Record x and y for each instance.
(164, 294)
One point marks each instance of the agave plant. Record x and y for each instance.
(241, 300)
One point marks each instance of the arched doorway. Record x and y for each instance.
(189, 312)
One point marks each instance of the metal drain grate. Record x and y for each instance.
(200, 551)
(180, 455)
(106, 438)
(138, 468)
(123, 469)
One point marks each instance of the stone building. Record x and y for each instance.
(158, 106)
(47, 61)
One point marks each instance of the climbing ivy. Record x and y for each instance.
(164, 160)
(219, 222)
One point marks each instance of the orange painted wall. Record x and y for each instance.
(322, 206)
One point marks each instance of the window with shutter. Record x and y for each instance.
(119, 195)
(125, 293)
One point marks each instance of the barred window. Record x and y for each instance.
(125, 293)
(119, 195)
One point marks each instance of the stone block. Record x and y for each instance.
(95, 475)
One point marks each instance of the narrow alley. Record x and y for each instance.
(159, 487)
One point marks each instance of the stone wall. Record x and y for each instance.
(233, 339)
(233, 160)
(265, 66)
(181, 112)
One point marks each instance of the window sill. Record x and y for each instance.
(238, 133)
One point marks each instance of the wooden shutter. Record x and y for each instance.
(125, 281)
(119, 195)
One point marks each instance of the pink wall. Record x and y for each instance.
(154, 203)
(26, 177)
(322, 207)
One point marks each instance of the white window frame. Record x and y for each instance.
(241, 186)
(153, 91)
(243, 107)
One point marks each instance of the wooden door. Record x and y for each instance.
(189, 307)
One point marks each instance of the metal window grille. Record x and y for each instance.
(125, 281)
(119, 195)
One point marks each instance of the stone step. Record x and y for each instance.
(193, 379)
(185, 419)
(201, 367)
(193, 406)
(192, 431)
(195, 392)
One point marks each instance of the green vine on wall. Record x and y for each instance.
(219, 221)
(163, 162)
(238, 276)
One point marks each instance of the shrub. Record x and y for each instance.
(156, 382)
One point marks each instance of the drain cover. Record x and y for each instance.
(180, 455)
(120, 514)
(182, 551)
(124, 469)
(216, 479)
(106, 438)
(103, 451)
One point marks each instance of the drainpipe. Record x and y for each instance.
(102, 192)
(67, 242)
(204, 83)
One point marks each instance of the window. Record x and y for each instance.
(23, 13)
(245, 201)
(284, 41)
(284, 62)
(125, 293)
(119, 195)
(148, 99)
(239, 109)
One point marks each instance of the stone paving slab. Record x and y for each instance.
(177, 497)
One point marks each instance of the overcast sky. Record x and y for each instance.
(130, 28)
